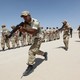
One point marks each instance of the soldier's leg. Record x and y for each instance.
(13, 42)
(28, 39)
(17, 42)
(34, 49)
(25, 40)
(32, 54)
(2, 44)
(21, 40)
(54, 36)
(31, 57)
(58, 35)
(8, 44)
(66, 41)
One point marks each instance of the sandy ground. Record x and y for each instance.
(61, 64)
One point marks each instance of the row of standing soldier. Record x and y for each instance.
(48, 34)
(22, 39)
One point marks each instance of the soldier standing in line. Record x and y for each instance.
(42, 34)
(32, 27)
(71, 31)
(23, 38)
(57, 33)
(50, 34)
(79, 31)
(29, 39)
(47, 33)
(15, 38)
(54, 33)
(5, 32)
(66, 29)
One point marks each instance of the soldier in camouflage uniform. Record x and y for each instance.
(31, 26)
(42, 34)
(15, 38)
(29, 39)
(47, 34)
(54, 33)
(5, 32)
(50, 34)
(66, 32)
(57, 33)
(23, 39)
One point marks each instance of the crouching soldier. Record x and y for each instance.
(31, 26)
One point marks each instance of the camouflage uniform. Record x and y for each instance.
(42, 34)
(54, 33)
(57, 33)
(47, 34)
(29, 39)
(31, 26)
(4, 40)
(66, 30)
(34, 49)
(15, 38)
(23, 38)
(50, 34)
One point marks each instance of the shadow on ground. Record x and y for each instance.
(77, 41)
(62, 47)
(38, 61)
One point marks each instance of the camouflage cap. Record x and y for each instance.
(64, 21)
(13, 26)
(25, 13)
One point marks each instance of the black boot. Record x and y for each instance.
(3, 49)
(8, 48)
(28, 70)
(66, 48)
(45, 55)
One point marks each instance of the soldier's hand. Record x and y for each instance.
(22, 29)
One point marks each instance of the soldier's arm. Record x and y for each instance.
(29, 30)
(60, 29)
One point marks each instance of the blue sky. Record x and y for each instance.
(50, 13)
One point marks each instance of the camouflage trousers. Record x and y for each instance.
(23, 40)
(14, 41)
(4, 41)
(34, 49)
(66, 40)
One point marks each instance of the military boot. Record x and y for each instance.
(28, 70)
(45, 55)
(3, 49)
